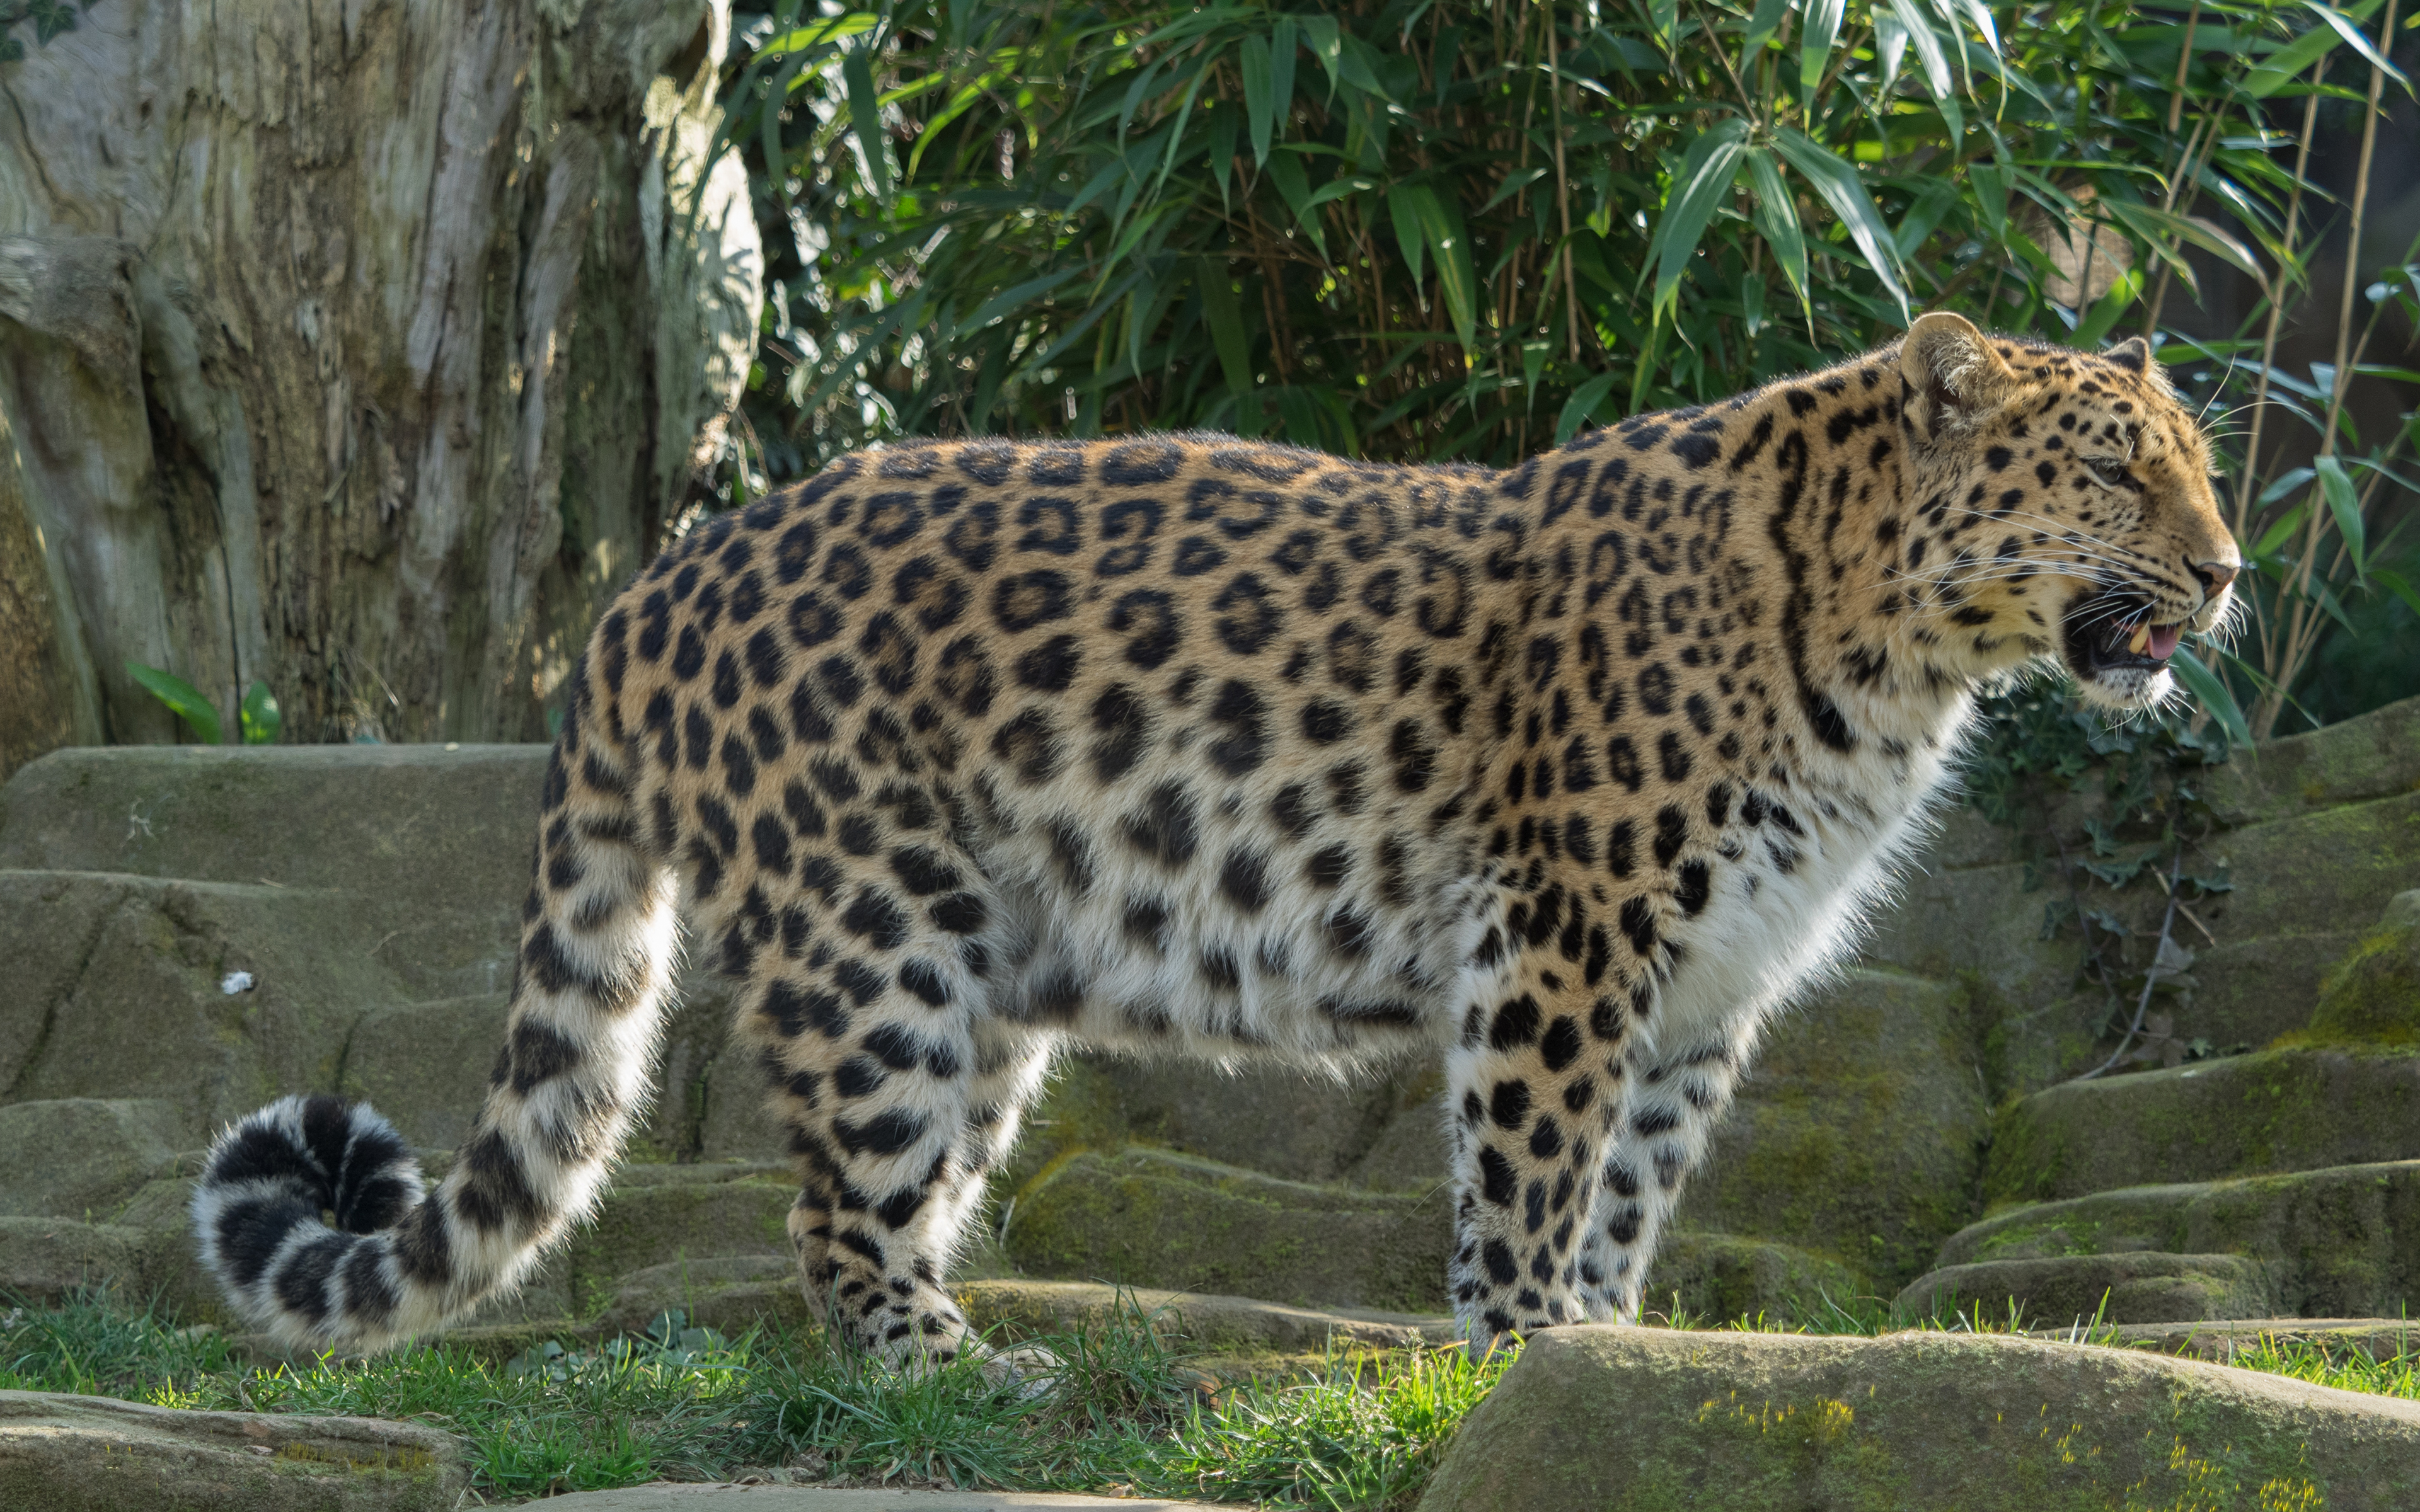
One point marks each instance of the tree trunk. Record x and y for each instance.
(359, 347)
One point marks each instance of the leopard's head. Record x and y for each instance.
(2072, 506)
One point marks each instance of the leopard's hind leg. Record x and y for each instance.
(869, 1014)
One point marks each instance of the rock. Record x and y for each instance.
(2224, 1341)
(1857, 1133)
(436, 828)
(1721, 1278)
(2374, 755)
(2302, 874)
(777, 1498)
(657, 1215)
(83, 1157)
(2373, 994)
(94, 1454)
(728, 1293)
(45, 1259)
(1156, 1218)
(116, 992)
(1230, 1325)
(423, 1066)
(1277, 1119)
(2343, 1242)
(1642, 1419)
(2278, 1110)
(2248, 992)
(2135, 1287)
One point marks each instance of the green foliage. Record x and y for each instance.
(182, 698)
(1409, 229)
(257, 719)
(50, 19)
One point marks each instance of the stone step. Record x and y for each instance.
(2292, 1109)
(2225, 1341)
(1149, 1217)
(2062, 1290)
(2340, 1242)
(65, 1452)
(445, 826)
(1640, 1418)
(117, 986)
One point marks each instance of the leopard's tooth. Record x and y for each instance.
(2142, 639)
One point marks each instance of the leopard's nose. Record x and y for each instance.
(2214, 576)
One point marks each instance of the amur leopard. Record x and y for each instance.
(960, 753)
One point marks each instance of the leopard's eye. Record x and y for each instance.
(2109, 470)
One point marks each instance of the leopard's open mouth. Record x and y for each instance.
(2112, 632)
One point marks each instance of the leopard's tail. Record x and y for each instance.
(313, 1214)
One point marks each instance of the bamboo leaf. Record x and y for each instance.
(1259, 105)
(1760, 27)
(1226, 321)
(1697, 188)
(2210, 691)
(1776, 218)
(865, 116)
(260, 717)
(1815, 39)
(2290, 63)
(1440, 227)
(1294, 187)
(2352, 35)
(2336, 487)
(1581, 407)
(1839, 186)
(1320, 33)
(1414, 246)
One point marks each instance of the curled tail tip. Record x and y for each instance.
(260, 1210)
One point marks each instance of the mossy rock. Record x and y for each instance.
(2340, 1242)
(1157, 1218)
(659, 1215)
(2374, 755)
(2373, 994)
(2138, 1287)
(1858, 1131)
(1724, 1278)
(1647, 1420)
(2279, 1110)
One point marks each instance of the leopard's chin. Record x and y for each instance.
(2116, 651)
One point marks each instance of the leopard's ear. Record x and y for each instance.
(1951, 371)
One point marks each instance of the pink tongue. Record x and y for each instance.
(2163, 640)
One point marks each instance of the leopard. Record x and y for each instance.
(1567, 776)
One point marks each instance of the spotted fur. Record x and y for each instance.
(1570, 774)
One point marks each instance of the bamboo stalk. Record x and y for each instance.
(2305, 616)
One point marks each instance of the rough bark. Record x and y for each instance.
(356, 346)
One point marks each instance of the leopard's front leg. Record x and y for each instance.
(1673, 1095)
(1534, 1083)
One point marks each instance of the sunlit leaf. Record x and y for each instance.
(1581, 407)
(1776, 218)
(1839, 187)
(1697, 190)
(1816, 33)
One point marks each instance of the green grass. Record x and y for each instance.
(1128, 1410)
